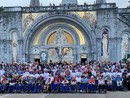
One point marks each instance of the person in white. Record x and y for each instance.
(46, 74)
(78, 78)
(101, 83)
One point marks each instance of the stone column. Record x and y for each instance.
(74, 55)
(118, 49)
(78, 54)
(89, 53)
(0, 50)
(31, 56)
(4, 42)
(26, 52)
(129, 47)
(112, 50)
(10, 51)
(23, 53)
(98, 49)
(20, 51)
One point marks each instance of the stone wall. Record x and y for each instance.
(9, 22)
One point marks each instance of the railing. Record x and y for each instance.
(60, 8)
(125, 19)
(124, 10)
(124, 15)
(12, 9)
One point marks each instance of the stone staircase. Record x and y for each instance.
(124, 15)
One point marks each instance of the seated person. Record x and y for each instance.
(73, 81)
(109, 82)
(91, 81)
(47, 84)
(119, 81)
(92, 84)
(65, 82)
(65, 86)
(101, 83)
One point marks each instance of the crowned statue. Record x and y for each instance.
(60, 40)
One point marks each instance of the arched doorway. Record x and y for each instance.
(75, 49)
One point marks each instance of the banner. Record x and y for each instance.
(43, 56)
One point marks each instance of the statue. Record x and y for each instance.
(43, 56)
(59, 52)
(67, 52)
(105, 45)
(52, 53)
(14, 47)
(60, 38)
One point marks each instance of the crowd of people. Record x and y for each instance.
(64, 77)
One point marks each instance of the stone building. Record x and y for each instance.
(69, 32)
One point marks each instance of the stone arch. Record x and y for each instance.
(67, 18)
(125, 32)
(109, 30)
(53, 28)
(125, 39)
(14, 29)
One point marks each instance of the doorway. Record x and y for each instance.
(83, 59)
(37, 60)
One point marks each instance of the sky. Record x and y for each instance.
(120, 3)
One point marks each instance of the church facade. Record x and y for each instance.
(68, 32)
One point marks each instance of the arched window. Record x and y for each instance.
(124, 45)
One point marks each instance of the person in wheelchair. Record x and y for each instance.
(92, 84)
(47, 85)
(119, 83)
(56, 84)
(109, 83)
(73, 84)
(64, 86)
(101, 84)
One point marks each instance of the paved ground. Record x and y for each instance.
(75, 95)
